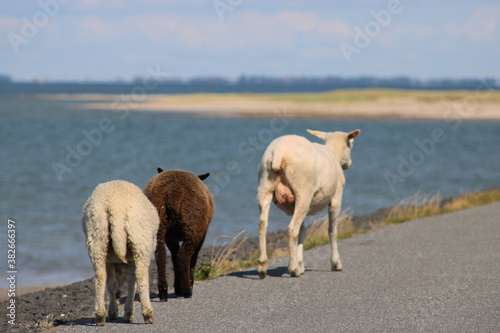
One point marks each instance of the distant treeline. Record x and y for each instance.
(244, 84)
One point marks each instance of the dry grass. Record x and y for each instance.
(223, 260)
(416, 206)
(423, 205)
(317, 233)
(473, 199)
(278, 252)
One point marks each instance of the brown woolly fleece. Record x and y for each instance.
(186, 207)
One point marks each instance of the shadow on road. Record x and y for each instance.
(274, 272)
(90, 321)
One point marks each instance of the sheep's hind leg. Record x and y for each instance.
(141, 274)
(194, 259)
(100, 291)
(300, 249)
(301, 208)
(129, 304)
(333, 213)
(173, 246)
(161, 263)
(112, 284)
(264, 205)
(183, 286)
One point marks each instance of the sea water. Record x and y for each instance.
(54, 154)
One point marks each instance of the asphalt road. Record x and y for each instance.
(438, 274)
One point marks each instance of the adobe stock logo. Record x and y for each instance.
(424, 149)
(363, 37)
(225, 6)
(94, 137)
(250, 149)
(30, 28)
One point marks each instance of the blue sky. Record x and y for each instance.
(118, 39)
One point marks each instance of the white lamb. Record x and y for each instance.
(120, 225)
(303, 178)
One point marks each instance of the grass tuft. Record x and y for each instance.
(424, 205)
(223, 259)
(317, 233)
(414, 207)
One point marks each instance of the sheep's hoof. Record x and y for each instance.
(148, 319)
(100, 320)
(128, 316)
(113, 314)
(163, 291)
(262, 269)
(337, 267)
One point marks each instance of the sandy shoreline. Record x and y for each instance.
(339, 104)
(21, 290)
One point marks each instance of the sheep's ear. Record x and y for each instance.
(204, 176)
(160, 170)
(319, 134)
(353, 134)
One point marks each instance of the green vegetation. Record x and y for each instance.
(385, 96)
(317, 233)
(347, 96)
(223, 261)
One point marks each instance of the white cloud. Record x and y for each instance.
(313, 23)
(422, 32)
(96, 28)
(336, 29)
(88, 3)
(297, 21)
(482, 26)
(250, 29)
(8, 24)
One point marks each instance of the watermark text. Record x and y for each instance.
(94, 137)
(31, 26)
(11, 272)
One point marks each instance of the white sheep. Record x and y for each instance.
(303, 178)
(120, 225)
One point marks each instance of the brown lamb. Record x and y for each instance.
(186, 207)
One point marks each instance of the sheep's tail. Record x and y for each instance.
(117, 233)
(278, 163)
